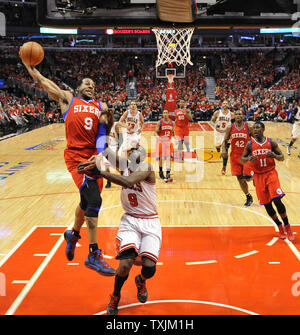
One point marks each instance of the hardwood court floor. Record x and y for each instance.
(203, 219)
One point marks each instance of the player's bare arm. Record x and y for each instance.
(145, 172)
(246, 156)
(214, 118)
(276, 153)
(157, 128)
(224, 153)
(122, 122)
(142, 121)
(189, 115)
(63, 97)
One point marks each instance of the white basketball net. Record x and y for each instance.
(173, 46)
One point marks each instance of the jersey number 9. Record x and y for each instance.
(88, 123)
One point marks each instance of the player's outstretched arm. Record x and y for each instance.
(57, 94)
(127, 181)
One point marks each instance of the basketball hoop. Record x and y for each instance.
(173, 46)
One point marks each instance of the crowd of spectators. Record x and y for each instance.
(249, 80)
(24, 112)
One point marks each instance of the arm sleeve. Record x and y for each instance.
(101, 137)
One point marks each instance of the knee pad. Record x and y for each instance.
(148, 271)
(91, 198)
(270, 210)
(280, 206)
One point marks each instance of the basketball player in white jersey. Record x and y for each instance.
(220, 121)
(139, 235)
(295, 130)
(133, 121)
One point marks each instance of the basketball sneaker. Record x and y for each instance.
(71, 240)
(299, 156)
(142, 293)
(249, 201)
(281, 232)
(112, 308)
(168, 178)
(161, 175)
(108, 184)
(223, 171)
(290, 235)
(288, 150)
(96, 262)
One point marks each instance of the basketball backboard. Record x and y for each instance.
(165, 13)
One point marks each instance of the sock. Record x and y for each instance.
(285, 221)
(93, 247)
(248, 195)
(225, 162)
(291, 144)
(160, 169)
(168, 174)
(218, 149)
(277, 221)
(75, 232)
(119, 282)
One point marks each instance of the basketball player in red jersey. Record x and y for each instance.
(164, 147)
(87, 122)
(239, 134)
(183, 116)
(262, 152)
(171, 97)
(139, 235)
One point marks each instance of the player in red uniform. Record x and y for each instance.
(262, 152)
(171, 97)
(164, 147)
(87, 122)
(239, 135)
(183, 116)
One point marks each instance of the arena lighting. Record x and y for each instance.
(247, 38)
(127, 31)
(44, 30)
(279, 30)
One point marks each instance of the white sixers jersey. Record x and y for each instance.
(140, 199)
(223, 121)
(133, 121)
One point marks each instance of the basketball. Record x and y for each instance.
(31, 53)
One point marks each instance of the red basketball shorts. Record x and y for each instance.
(239, 169)
(164, 149)
(182, 133)
(267, 187)
(73, 158)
